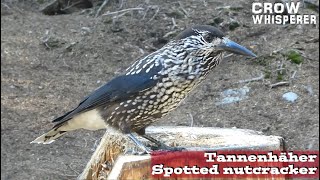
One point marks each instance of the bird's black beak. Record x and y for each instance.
(228, 45)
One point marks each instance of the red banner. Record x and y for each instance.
(235, 164)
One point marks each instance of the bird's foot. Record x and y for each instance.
(161, 146)
(137, 152)
(145, 150)
(164, 147)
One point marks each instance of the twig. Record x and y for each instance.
(121, 4)
(283, 83)
(169, 33)
(174, 23)
(5, 5)
(105, 2)
(279, 69)
(86, 143)
(191, 117)
(281, 66)
(13, 8)
(276, 51)
(184, 11)
(46, 38)
(95, 144)
(151, 7)
(157, 10)
(228, 55)
(46, 44)
(124, 10)
(293, 75)
(205, 3)
(309, 89)
(69, 165)
(120, 15)
(303, 54)
(252, 79)
(72, 5)
(145, 14)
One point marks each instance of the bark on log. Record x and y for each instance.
(109, 162)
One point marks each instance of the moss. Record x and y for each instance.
(233, 25)
(295, 57)
(236, 8)
(107, 20)
(263, 60)
(216, 21)
(267, 74)
(280, 77)
(312, 6)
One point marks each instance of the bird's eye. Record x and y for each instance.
(208, 38)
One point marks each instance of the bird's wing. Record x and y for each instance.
(117, 89)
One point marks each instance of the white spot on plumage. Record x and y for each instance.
(168, 84)
(171, 90)
(147, 71)
(138, 71)
(152, 96)
(164, 98)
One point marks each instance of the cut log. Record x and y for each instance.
(109, 161)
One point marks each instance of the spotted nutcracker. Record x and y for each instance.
(150, 88)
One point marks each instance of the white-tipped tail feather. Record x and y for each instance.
(90, 120)
(49, 137)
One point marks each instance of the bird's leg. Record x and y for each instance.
(142, 132)
(158, 143)
(162, 146)
(139, 144)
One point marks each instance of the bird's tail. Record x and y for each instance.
(49, 137)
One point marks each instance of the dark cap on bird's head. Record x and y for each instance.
(209, 34)
(194, 30)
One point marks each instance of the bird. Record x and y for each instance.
(150, 88)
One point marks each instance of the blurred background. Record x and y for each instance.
(55, 52)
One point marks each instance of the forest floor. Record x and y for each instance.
(49, 63)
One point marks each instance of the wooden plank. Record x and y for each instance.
(108, 159)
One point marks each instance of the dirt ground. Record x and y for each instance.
(49, 63)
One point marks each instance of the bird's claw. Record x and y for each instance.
(164, 147)
(137, 152)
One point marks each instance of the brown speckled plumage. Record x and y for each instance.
(151, 87)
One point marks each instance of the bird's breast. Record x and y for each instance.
(149, 105)
(171, 91)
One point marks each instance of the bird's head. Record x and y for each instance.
(211, 41)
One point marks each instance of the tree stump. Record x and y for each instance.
(109, 162)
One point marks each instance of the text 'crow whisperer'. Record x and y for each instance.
(150, 88)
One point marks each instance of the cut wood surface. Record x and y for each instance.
(110, 162)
